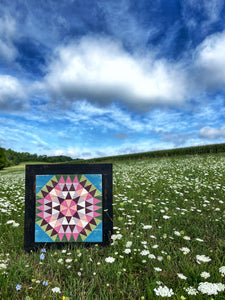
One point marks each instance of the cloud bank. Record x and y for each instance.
(100, 70)
(212, 133)
(12, 93)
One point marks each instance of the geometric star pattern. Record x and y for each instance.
(68, 208)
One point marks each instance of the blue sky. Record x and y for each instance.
(90, 78)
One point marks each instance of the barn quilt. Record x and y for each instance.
(68, 208)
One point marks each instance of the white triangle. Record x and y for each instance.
(81, 211)
(54, 211)
(68, 230)
(68, 185)
(61, 185)
(53, 223)
(81, 203)
(73, 194)
(64, 194)
(90, 201)
(75, 185)
(75, 230)
(61, 230)
(53, 192)
(64, 222)
(84, 223)
(83, 192)
(72, 222)
(55, 203)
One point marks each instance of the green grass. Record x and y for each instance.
(181, 198)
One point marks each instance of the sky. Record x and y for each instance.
(92, 78)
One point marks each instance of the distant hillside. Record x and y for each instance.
(214, 148)
(10, 158)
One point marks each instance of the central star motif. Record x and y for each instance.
(68, 208)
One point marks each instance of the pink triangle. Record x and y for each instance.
(95, 207)
(52, 219)
(75, 180)
(48, 197)
(79, 187)
(89, 218)
(75, 235)
(61, 180)
(61, 236)
(57, 228)
(89, 197)
(41, 214)
(68, 180)
(53, 197)
(41, 201)
(57, 187)
(42, 207)
(68, 235)
(79, 229)
(84, 196)
(95, 214)
(47, 219)
(96, 201)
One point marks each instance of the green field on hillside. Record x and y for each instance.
(168, 239)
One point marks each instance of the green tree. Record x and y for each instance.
(3, 160)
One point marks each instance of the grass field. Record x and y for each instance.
(168, 239)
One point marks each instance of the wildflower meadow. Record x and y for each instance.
(168, 240)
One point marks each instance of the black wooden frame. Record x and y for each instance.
(61, 169)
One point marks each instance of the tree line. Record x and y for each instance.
(11, 158)
(195, 150)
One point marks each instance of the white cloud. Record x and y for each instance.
(210, 62)
(101, 70)
(212, 133)
(7, 36)
(12, 93)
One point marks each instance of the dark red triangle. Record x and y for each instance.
(57, 207)
(49, 188)
(93, 192)
(88, 187)
(72, 188)
(65, 188)
(83, 232)
(88, 227)
(87, 204)
(61, 215)
(79, 207)
(49, 211)
(54, 232)
(54, 183)
(49, 204)
(44, 193)
(76, 215)
(44, 223)
(60, 200)
(92, 222)
(83, 183)
(76, 199)
(68, 219)
(49, 227)
(87, 210)
(65, 227)
(72, 227)
(68, 196)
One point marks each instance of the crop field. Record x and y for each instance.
(168, 240)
